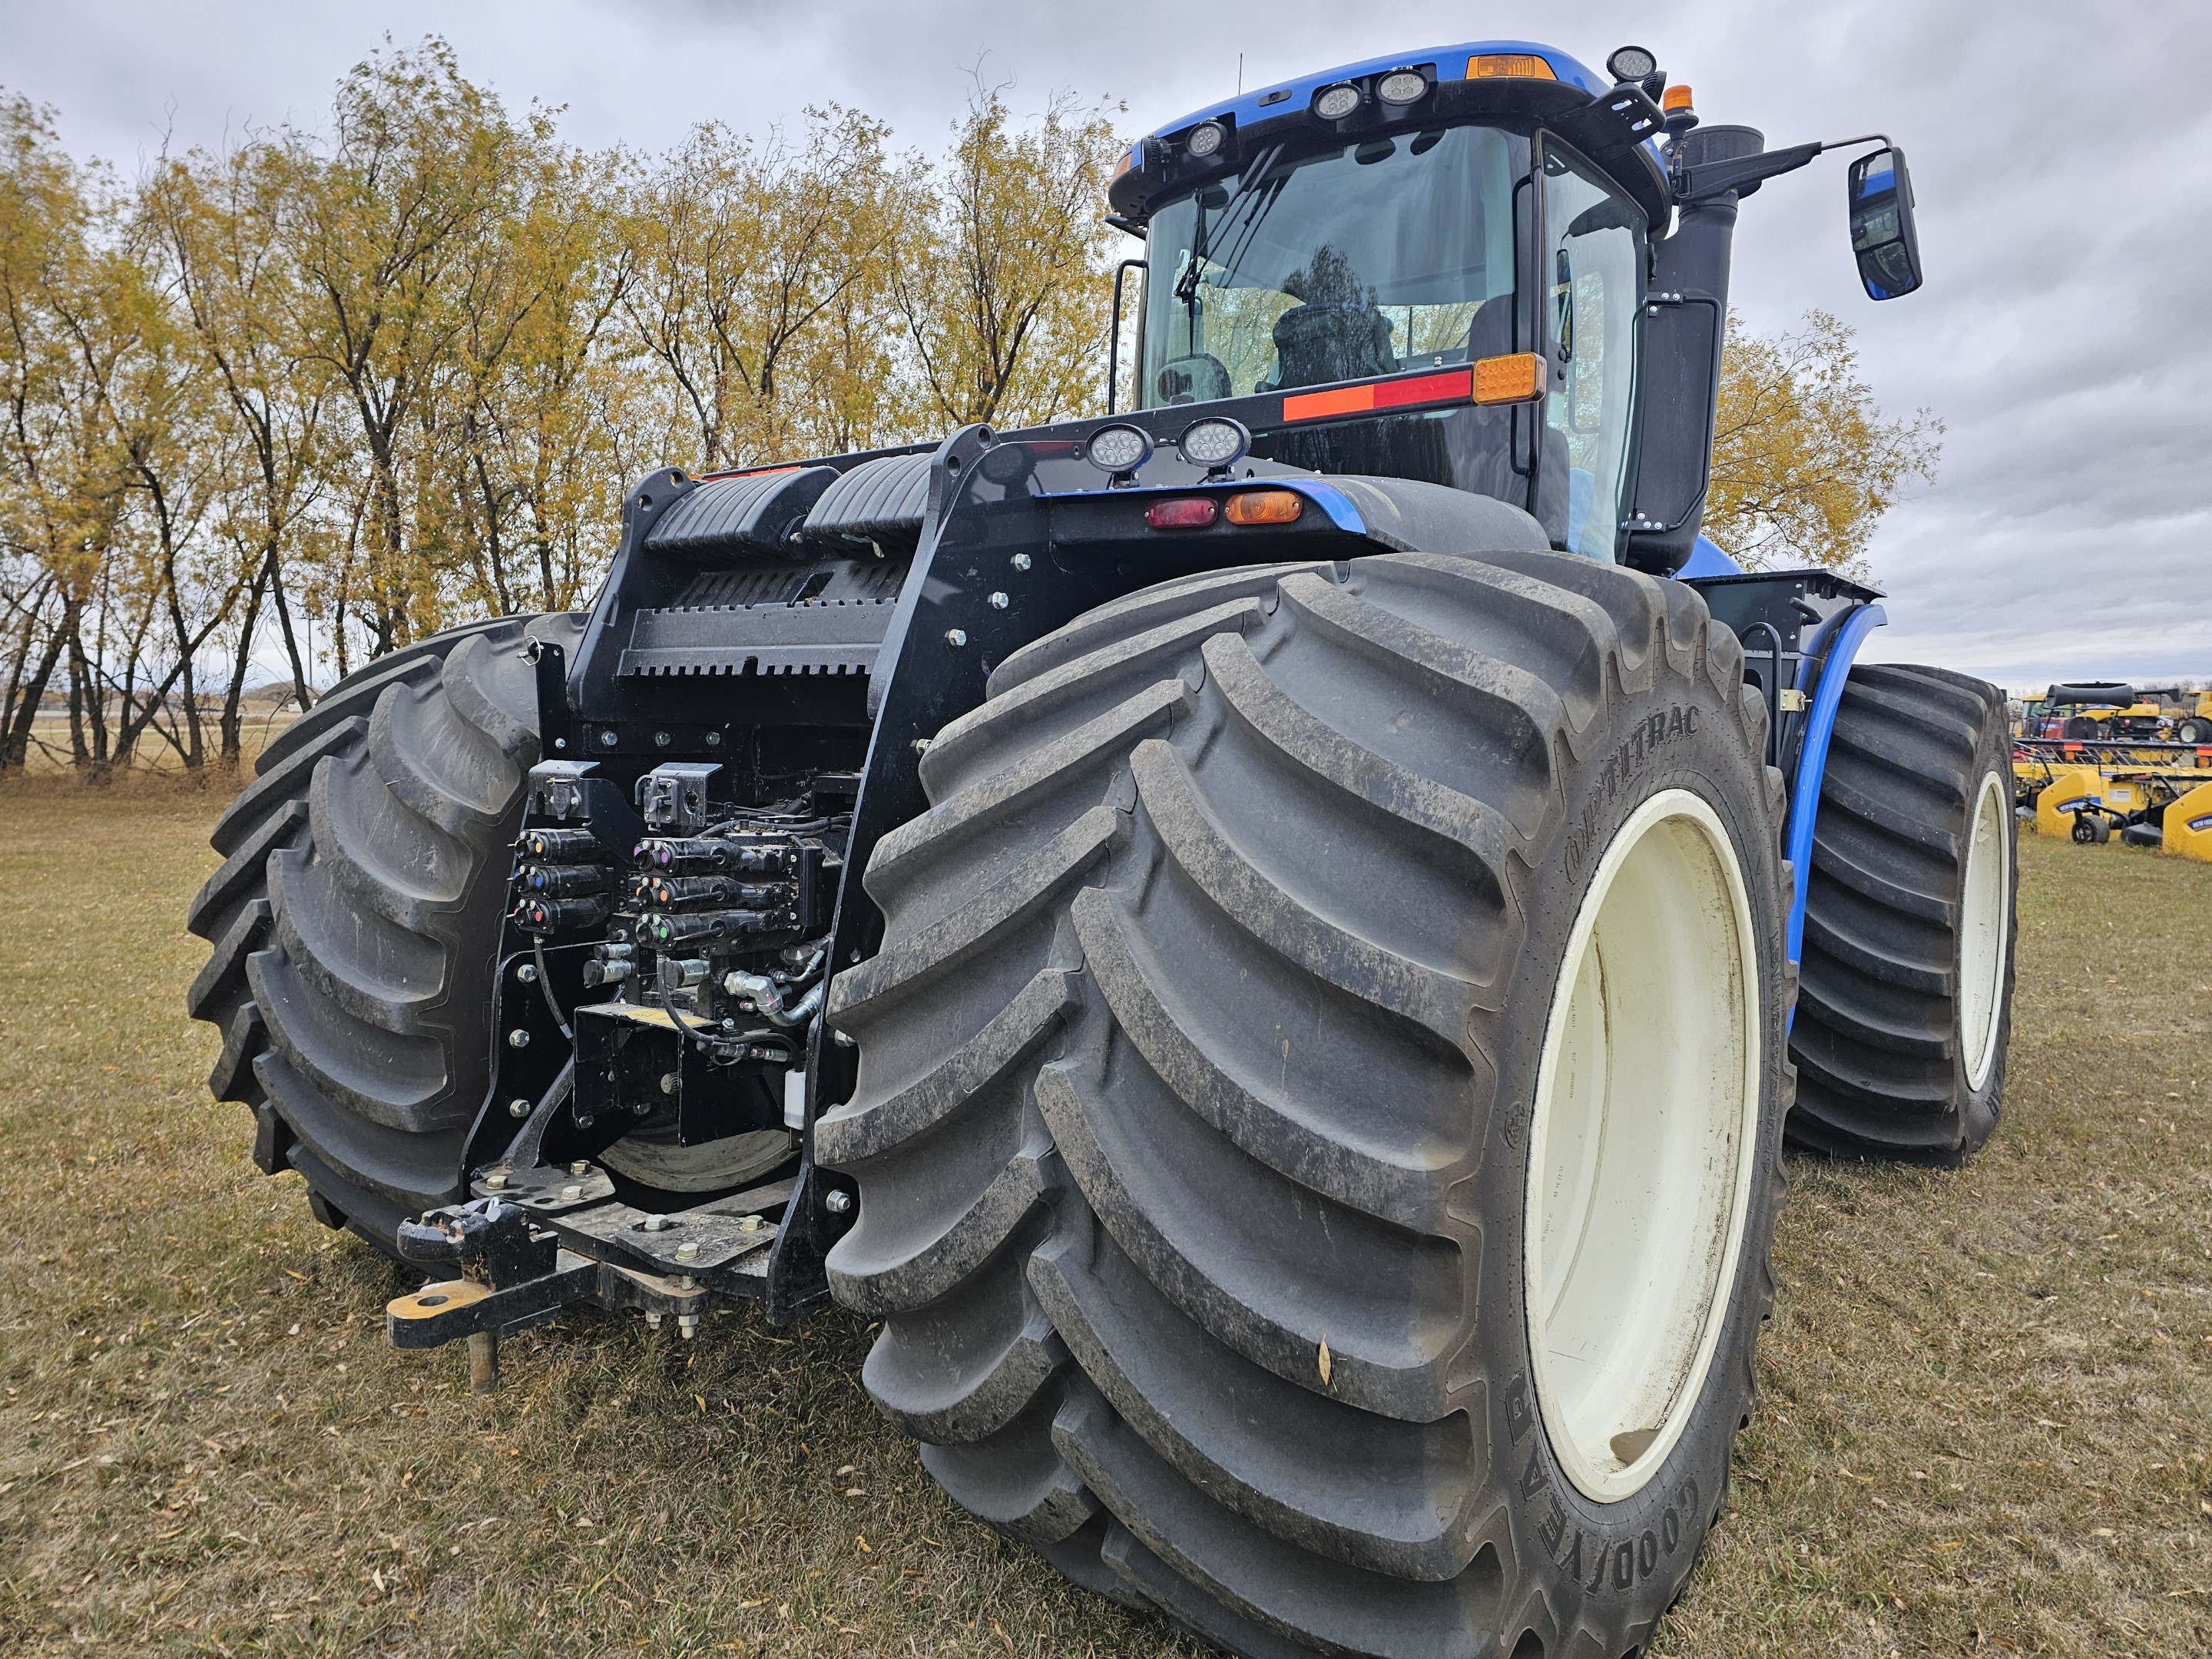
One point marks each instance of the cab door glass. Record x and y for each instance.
(1593, 267)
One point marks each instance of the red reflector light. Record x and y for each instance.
(1266, 506)
(1183, 513)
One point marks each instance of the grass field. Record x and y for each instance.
(1983, 1426)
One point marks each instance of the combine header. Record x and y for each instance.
(1257, 936)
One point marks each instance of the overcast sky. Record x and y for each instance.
(2062, 165)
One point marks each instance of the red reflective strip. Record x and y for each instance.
(1453, 385)
(1456, 383)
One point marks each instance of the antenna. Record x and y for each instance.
(1240, 74)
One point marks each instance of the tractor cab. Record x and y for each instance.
(1489, 253)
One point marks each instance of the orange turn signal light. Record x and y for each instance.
(1525, 66)
(1518, 378)
(1265, 506)
(1675, 98)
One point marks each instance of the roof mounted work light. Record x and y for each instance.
(1631, 63)
(1402, 87)
(1335, 103)
(1205, 139)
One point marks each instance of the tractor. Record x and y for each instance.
(1271, 938)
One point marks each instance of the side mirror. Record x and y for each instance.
(1883, 238)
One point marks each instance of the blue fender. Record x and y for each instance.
(1813, 760)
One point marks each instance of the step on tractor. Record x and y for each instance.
(1271, 940)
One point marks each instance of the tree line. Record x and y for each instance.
(312, 395)
(370, 381)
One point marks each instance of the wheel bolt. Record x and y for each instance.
(837, 1202)
(518, 1108)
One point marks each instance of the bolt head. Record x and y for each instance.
(496, 1182)
(842, 1039)
(997, 601)
(837, 1202)
(573, 1190)
(750, 1224)
(688, 1250)
(656, 1223)
(518, 1107)
(527, 973)
(578, 1167)
(652, 1320)
(609, 739)
(713, 740)
(518, 1038)
(1021, 561)
(956, 637)
(660, 740)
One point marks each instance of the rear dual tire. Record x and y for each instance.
(1904, 992)
(356, 918)
(1234, 1107)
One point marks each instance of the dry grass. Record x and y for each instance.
(1982, 1428)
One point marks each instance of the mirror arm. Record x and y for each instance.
(1718, 178)
(1702, 184)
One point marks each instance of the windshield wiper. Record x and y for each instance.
(1186, 285)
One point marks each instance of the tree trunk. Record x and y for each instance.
(230, 727)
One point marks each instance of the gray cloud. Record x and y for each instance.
(2063, 169)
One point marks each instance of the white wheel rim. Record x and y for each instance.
(1985, 924)
(1641, 1151)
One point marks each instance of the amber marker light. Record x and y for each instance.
(1183, 513)
(1675, 98)
(1265, 506)
(1518, 378)
(1520, 65)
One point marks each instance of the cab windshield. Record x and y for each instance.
(1389, 254)
(1397, 254)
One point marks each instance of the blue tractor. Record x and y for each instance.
(1273, 938)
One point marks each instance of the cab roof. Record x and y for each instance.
(1451, 66)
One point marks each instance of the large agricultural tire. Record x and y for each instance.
(356, 916)
(1904, 983)
(1225, 992)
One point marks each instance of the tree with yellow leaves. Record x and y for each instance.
(1005, 291)
(1804, 462)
